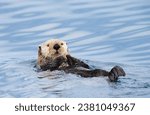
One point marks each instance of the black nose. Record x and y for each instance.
(56, 47)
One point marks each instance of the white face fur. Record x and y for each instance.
(51, 50)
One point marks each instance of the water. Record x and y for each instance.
(104, 33)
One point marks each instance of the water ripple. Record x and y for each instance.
(102, 32)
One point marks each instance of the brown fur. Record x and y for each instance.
(53, 55)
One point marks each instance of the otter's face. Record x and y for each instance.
(53, 49)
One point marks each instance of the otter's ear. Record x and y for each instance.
(39, 47)
(39, 51)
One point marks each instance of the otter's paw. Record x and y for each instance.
(70, 60)
(115, 73)
(59, 60)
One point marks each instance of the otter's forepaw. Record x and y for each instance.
(115, 73)
(70, 60)
(59, 60)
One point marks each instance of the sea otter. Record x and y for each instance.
(54, 55)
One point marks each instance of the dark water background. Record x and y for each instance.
(103, 32)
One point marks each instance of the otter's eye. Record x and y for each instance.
(47, 45)
(62, 44)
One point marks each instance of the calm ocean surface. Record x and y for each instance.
(104, 33)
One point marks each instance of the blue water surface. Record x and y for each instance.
(104, 33)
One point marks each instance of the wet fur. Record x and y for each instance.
(74, 66)
(70, 64)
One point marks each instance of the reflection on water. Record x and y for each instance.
(103, 32)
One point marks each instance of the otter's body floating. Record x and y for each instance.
(54, 55)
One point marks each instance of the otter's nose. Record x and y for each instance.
(56, 47)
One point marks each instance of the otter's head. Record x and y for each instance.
(52, 49)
